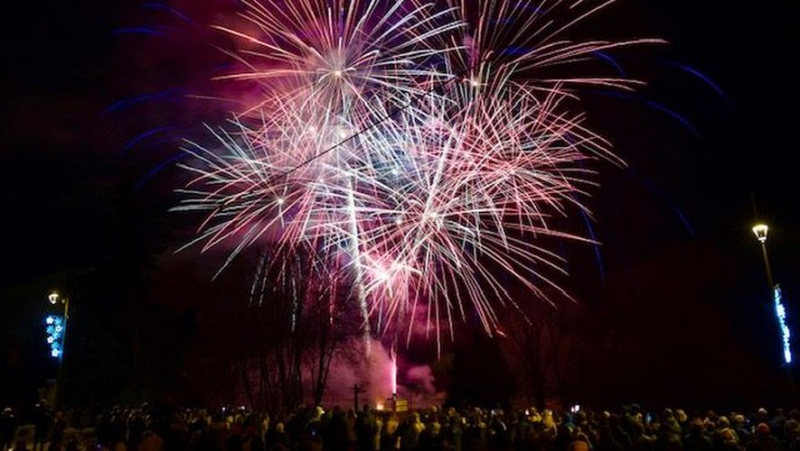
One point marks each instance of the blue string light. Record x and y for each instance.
(55, 335)
(780, 311)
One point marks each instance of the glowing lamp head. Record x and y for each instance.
(761, 231)
(53, 297)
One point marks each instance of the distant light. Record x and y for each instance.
(337, 73)
(575, 408)
(379, 407)
(395, 171)
(761, 231)
(474, 82)
(280, 201)
(398, 220)
(59, 329)
(342, 134)
(780, 312)
(50, 339)
(55, 353)
(50, 320)
(53, 297)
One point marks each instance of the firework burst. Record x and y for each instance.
(415, 149)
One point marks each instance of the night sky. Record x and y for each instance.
(679, 269)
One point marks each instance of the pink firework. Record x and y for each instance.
(417, 151)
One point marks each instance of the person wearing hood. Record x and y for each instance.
(763, 440)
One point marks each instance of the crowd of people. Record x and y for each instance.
(313, 428)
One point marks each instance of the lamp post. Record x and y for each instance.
(57, 329)
(56, 299)
(761, 231)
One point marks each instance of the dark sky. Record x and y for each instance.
(675, 226)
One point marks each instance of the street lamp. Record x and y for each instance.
(761, 231)
(56, 328)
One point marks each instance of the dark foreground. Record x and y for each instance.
(628, 429)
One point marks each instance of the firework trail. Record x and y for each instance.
(415, 149)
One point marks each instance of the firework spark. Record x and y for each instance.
(418, 151)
